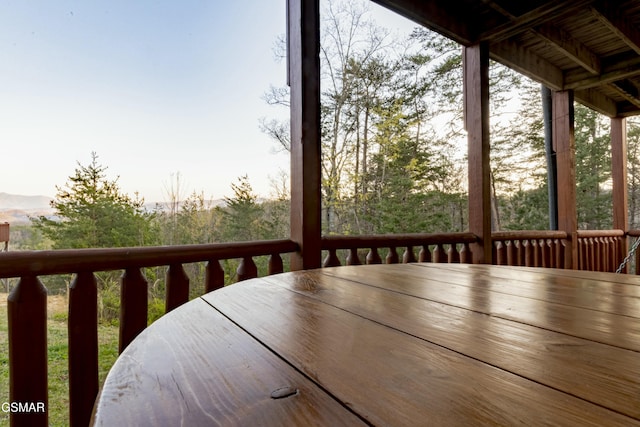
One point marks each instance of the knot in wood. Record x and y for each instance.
(283, 392)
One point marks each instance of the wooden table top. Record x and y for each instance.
(390, 345)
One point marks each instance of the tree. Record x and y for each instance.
(241, 217)
(633, 172)
(92, 212)
(593, 169)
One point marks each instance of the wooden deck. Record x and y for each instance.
(406, 344)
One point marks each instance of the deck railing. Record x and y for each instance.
(27, 304)
(636, 255)
(600, 250)
(27, 308)
(445, 247)
(530, 248)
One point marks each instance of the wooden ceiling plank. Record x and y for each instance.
(538, 16)
(525, 62)
(610, 72)
(575, 50)
(618, 24)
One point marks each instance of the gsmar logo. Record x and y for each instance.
(22, 407)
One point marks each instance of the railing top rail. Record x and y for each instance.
(62, 261)
(528, 234)
(600, 233)
(395, 240)
(633, 233)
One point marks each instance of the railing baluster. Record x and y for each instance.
(214, 276)
(392, 256)
(499, 253)
(609, 249)
(582, 257)
(637, 259)
(373, 257)
(134, 306)
(521, 253)
(83, 347)
(439, 254)
(537, 256)
(590, 254)
(425, 254)
(465, 254)
(353, 258)
(27, 312)
(511, 252)
(177, 287)
(454, 256)
(597, 252)
(620, 254)
(247, 269)
(275, 264)
(545, 259)
(332, 259)
(528, 253)
(408, 255)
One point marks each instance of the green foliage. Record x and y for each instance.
(241, 217)
(593, 169)
(93, 213)
(633, 170)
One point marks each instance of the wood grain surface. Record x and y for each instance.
(196, 368)
(401, 345)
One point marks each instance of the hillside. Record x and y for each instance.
(16, 209)
(19, 202)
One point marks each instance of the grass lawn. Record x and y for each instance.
(58, 369)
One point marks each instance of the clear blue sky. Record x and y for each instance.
(155, 88)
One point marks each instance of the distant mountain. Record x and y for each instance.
(10, 202)
(16, 209)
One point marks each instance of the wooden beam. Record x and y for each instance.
(618, 24)
(626, 109)
(441, 16)
(514, 56)
(569, 46)
(619, 172)
(626, 90)
(597, 101)
(565, 147)
(517, 24)
(612, 69)
(476, 108)
(304, 77)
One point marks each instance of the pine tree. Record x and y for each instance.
(92, 212)
(241, 217)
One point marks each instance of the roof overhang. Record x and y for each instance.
(591, 47)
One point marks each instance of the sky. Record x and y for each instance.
(156, 89)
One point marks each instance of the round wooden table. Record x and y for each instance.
(393, 345)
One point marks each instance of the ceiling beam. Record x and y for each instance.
(626, 109)
(438, 15)
(612, 69)
(535, 17)
(626, 90)
(514, 56)
(618, 24)
(569, 46)
(597, 101)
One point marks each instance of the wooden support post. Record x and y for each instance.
(619, 179)
(565, 147)
(476, 109)
(303, 30)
